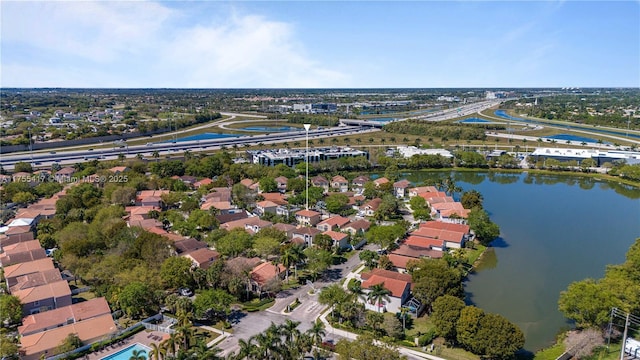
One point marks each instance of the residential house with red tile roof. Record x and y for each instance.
(340, 240)
(281, 183)
(15, 235)
(263, 275)
(333, 223)
(285, 228)
(33, 346)
(202, 258)
(222, 207)
(359, 181)
(370, 207)
(306, 234)
(417, 252)
(247, 182)
(400, 293)
(36, 279)
(320, 181)
(150, 198)
(184, 246)
(400, 261)
(119, 169)
(421, 190)
(400, 188)
(387, 274)
(339, 183)
(252, 223)
(452, 212)
(265, 206)
(44, 297)
(64, 316)
(65, 174)
(357, 227)
(425, 243)
(22, 256)
(275, 197)
(307, 217)
(203, 182)
(380, 181)
(12, 272)
(454, 236)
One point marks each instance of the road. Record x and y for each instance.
(246, 325)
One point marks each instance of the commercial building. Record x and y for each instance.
(291, 157)
(409, 151)
(600, 156)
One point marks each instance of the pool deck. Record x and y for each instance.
(144, 337)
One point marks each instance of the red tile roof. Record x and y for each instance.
(400, 261)
(264, 272)
(423, 242)
(54, 318)
(396, 287)
(56, 290)
(338, 221)
(28, 268)
(446, 226)
(35, 279)
(307, 213)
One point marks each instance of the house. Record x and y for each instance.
(275, 197)
(306, 234)
(339, 183)
(203, 182)
(218, 194)
(400, 292)
(425, 243)
(266, 206)
(307, 217)
(340, 240)
(358, 227)
(256, 224)
(358, 182)
(11, 273)
(64, 316)
(320, 181)
(19, 248)
(387, 274)
(202, 258)
(369, 208)
(286, 210)
(22, 256)
(247, 183)
(222, 207)
(225, 218)
(281, 183)
(452, 212)
(184, 246)
(36, 279)
(400, 261)
(332, 223)
(150, 198)
(422, 189)
(33, 346)
(44, 297)
(119, 169)
(380, 181)
(285, 228)
(400, 188)
(65, 174)
(15, 235)
(263, 275)
(454, 235)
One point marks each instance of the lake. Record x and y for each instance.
(555, 229)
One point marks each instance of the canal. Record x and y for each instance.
(555, 229)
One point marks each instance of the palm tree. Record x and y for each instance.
(187, 155)
(356, 289)
(171, 344)
(321, 141)
(246, 349)
(138, 355)
(139, 156)
(317, 332)
(377, 294)
(287, 258)
(289, 330)
(157, 352)
(371, 140)
(156, 155)
(358, 140)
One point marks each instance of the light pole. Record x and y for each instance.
(306, 160)
(30, 147)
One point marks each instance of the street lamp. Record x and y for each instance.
(30, 147)
(306, 160)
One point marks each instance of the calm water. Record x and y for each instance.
(565, 137)
(554, 230)
(204, 136)
(272, 128)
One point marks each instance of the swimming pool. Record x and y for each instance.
(565, 137)
(126, 353)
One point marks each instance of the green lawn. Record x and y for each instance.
(475, 253)
(257, 305)
(550, 353)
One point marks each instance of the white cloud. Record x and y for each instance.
(142, 44)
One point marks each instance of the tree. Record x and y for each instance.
(500, 338)
(317, 332)
(377, 294)
(138, 354)
(175, 272)
(587, 303)
(70, 343)
(10, 310)
(336, 203)
(471, 199)
(365, 348)
(23, 198)
(385, 236)
(445, 315)
(266, 246)
(385, 263)
(486, 231)
(123, 196)
(323, 241)
(157, 352)
(467, 327)
(8, 349)
(369, 257)
(136, 300)
(268, 184)
(318, 260)
(22, 166)
(434, 278)
(212, 304)
(388, 208)
(234, 243)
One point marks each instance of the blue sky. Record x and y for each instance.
(308, 44)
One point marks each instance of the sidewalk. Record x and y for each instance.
(223, 335)
(352, 336)
(352, 275)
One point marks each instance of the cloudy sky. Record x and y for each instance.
(327, 44)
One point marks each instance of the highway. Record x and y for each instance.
(171, 148)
